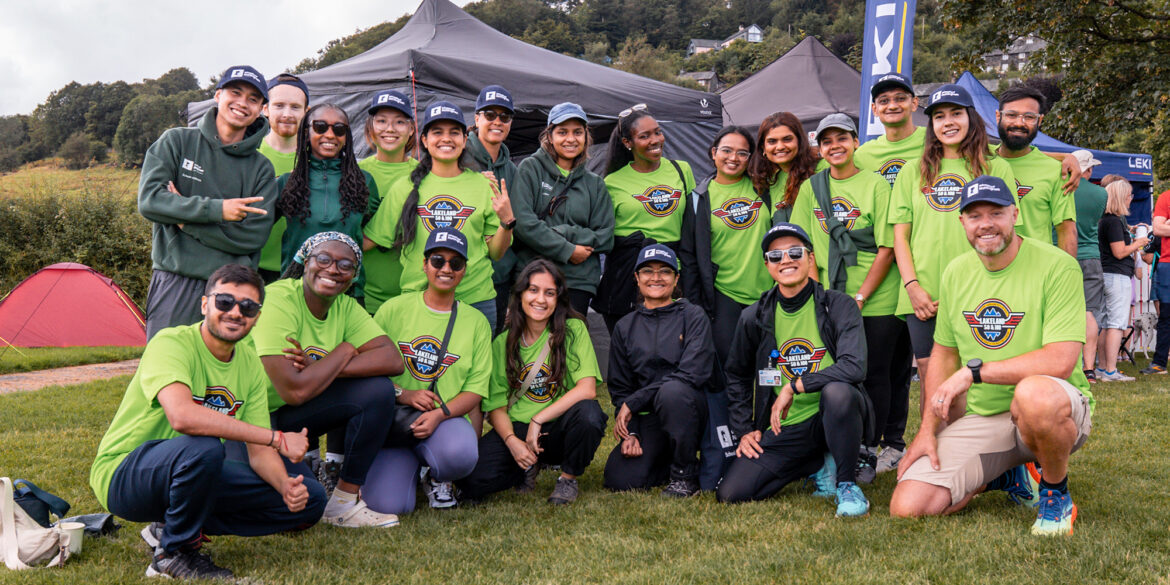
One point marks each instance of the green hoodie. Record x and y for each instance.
(205, 172)
(585, 218)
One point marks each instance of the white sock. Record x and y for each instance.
(331, 457)
(339, 502)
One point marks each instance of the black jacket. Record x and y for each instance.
(649, 347)
(840, 327)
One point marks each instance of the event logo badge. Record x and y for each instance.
(1022, 190)
(541, 391)
(992, 323)
(798, 357)
(946, 193)
(739, 213)
(660, 200)
(422, 358)
(444, 211)
(843, 210)
(890, 169)
(219, 399)
(315, 353)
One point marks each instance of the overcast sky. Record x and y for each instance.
(45, 44)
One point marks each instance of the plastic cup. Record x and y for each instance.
(74, 532)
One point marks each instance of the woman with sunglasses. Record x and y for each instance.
(443, 192)
(389, 131)
(563, 211)
(542, 401)
(648, 193)
(446, 348)
(328, 363)
(326, 190)
(783, 161)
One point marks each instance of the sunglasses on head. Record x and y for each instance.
(491, 115)
(344, 265)
(225, 301)
(438, 261)
(632, 109)
(321, 126)
(777, 256)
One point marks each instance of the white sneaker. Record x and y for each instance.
(1114, 376)
(441, 494)
(359, 515)
(888, 459)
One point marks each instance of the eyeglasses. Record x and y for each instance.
(728, 151)
(344, 265)
(632, 109)
(399, 124)
(898, 99)
(1012, 116)
(777, 256)
(648, 272)
(438, 261)
(225, 301)
(321, 126)
(491, 115)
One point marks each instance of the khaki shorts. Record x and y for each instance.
(977, 449)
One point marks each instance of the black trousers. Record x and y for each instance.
(798, 450)
(723, 323)
(669, 434)
(887, 381)
(579, 300)
(570, 441)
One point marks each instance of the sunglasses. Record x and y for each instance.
(491, 115)
(225, 301)
(632, 109)
(344, 265)
(777, 256)
(438, 261)
(321, 126)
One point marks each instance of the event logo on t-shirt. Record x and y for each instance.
(992, 323)
(890, 169)
(660, 200)
(315, 353)
(422, 358)
(946, 193)
(1022, 190)
(798, 357)
(541, 391)
(739, 213)
(219, 399)
(843, 210)
(444, 211)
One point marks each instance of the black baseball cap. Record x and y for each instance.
(986, 189)
(890, 81)
(449, 238)
(657, 253)
(785, 229)
(246, 74)
(951, 93)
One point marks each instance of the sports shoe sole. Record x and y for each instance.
(1071, 523)
(148, 536)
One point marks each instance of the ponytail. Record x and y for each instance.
(407, 220)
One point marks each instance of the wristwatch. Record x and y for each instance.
(859, 297)
(509, 225)
(974, 366)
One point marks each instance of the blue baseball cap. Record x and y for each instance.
(389, 98)
(566, 111)
(657, 253)
(986, 189)
(950, 94)
(449, 238)
(289, 79)
(247, 75)
(890, 81)
(442, 110)
(494, 95)
(785, 229)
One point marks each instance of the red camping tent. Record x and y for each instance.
(67, 305)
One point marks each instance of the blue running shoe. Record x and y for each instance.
(1055, 514)
(825, 479)
(1022, 484)
(850, 501)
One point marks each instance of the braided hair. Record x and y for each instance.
(353, 192)
(619, 155)
(406, 220)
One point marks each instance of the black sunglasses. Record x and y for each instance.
(438, 261)
(491, 115)
(344, 265)
(225, 301)
(777, 256)
(339, 128)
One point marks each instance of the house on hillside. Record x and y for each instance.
(751, 34)
(1016, 55)
(699, 46)
(708, 80)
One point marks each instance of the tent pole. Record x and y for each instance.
(9, 344)
(414, 106)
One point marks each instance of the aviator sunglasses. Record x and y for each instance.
(225, 301)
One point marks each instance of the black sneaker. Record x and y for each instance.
(529, 483)
(866, 466)
(565, 492)
(185, 565)
(329, 473)
(681, 488)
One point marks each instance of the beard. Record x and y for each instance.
(997, 249)
(1013, 142)
(213, 327)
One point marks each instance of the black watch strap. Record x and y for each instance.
(509, 225)
(975, 365)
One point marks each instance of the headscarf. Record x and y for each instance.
(317, 239)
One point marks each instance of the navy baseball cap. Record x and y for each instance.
(950, 94)
(449, 238)
(494, 95)
(890, 81)
(657, 253)
(566, 111)
(442, 110)
(839, 121)
(288, 79)
(247, 75)
(785, 229)
(986, 188)
(389, 98)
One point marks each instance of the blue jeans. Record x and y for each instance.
(488, 308)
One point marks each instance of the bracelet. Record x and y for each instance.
(279, 441)
(273, 438)
(535, 422)
(910, 282)
(508, 437)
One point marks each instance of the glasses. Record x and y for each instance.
(399, 124)
(491, 115)
(1012, 116)
(728, 151)
(438, 261)
(777, 256)
(344, 265)
(651, 272)
(898, 99)
(632, 109)
(321, 126)
(225, 301)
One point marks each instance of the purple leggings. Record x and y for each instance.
(451, 452)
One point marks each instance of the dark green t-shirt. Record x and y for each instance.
(1090, 202)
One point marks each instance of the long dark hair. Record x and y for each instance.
(516, 321)
(546, 142)
(747, 136)
(764, 172)
(353, 192)
(619, 155)
(406, 220)
(973, 149)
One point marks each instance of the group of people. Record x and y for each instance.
(400, 302)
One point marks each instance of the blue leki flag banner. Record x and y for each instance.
(888, 48)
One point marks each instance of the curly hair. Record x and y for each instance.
(764, 172)
(973, 149)
(516, 321)
(353, 192)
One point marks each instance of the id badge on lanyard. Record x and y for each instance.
(772, 375)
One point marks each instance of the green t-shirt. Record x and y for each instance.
(1090, 201)
(463, 202)
(936, 236)
(285, 314)
(1038, 299)
(1040, 190)
(858, 202)
(382, 267)
(651, 202)
(801, 352)
(417, 331)
(178, 354)
(282, 162)
(580, 363)
(887, 158)
(739, 220)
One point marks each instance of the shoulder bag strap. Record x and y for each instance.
(531, 377)
(443, 356)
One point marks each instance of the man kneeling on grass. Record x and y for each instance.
(163, 458)
(1012, 311)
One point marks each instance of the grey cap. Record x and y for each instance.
(839, 121)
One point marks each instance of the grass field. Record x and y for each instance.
(48, 177)
(28, 359)
(1118, 480)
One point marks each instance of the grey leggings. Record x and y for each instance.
(451, 452)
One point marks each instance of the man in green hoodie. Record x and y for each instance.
(209, 193)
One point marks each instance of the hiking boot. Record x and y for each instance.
(329, 473)
(888, 459)
(359, 515)
(529, 483)
(565, 492)
(866, 463)
(441, 494)
(850, 501)
(681, 488)
(825, 479)
(1055, 514)
(1153, 369)
(185, 565)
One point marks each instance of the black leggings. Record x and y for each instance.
(579, 300)
(887, 381)
(723, 323)
(669, 435)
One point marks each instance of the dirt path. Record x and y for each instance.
(64, 376)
